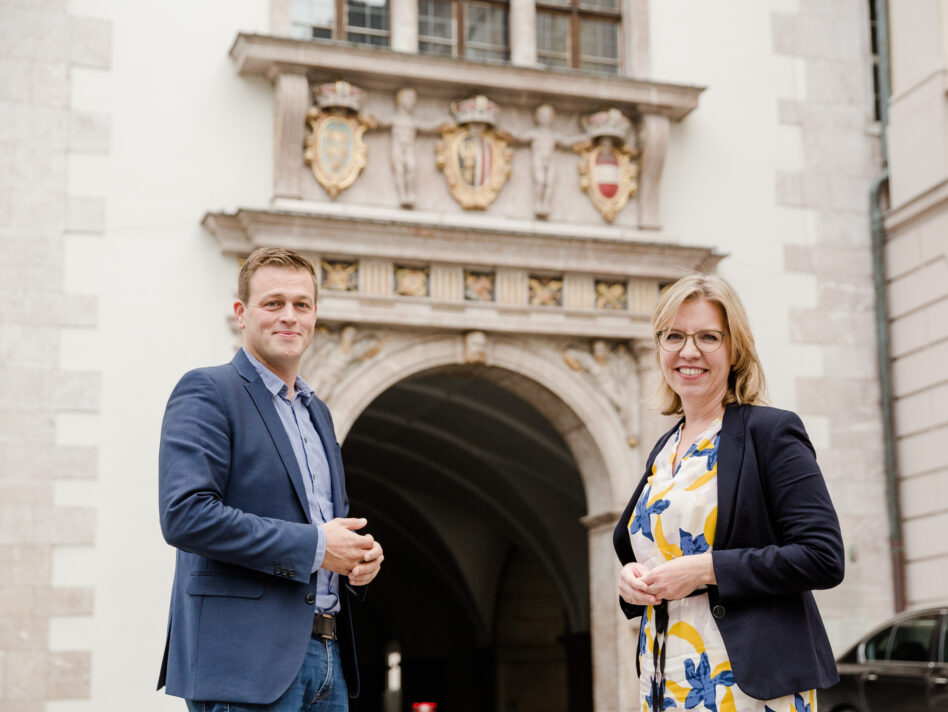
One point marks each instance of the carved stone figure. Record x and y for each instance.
(544, 141)
(613, 372)
(331, 355)
(404, 131)
(542, 147)
(475, 347)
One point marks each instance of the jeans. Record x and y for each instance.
(319, 686)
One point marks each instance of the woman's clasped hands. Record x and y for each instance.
(675, 579)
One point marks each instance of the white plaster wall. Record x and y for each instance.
(188, 135)
(718, 185)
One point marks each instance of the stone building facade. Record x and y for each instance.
(917, 268)
(485, 347)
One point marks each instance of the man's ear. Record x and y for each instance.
(239, 309)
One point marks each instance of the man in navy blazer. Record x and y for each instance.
(252, 494)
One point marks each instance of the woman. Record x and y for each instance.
(729, 530)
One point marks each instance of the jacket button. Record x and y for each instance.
(292, 573)
(718, 611)
(311, 598)
(278, 570)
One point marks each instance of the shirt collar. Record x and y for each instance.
(275, 384)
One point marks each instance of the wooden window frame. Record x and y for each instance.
(576, 12)
(458, 13)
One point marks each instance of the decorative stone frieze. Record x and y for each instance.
(455, 277)
(477, 157)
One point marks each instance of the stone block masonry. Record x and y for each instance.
(840, 159)
(40, 45)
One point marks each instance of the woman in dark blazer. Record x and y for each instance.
(730, 528)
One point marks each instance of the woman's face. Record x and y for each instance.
(699, 378)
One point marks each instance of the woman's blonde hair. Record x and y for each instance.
(746, 383)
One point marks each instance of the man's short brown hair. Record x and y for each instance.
(277, 257)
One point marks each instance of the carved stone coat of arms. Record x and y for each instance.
(474, 156)
(334, 149)
(608, 169)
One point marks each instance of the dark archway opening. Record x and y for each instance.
(483, 597)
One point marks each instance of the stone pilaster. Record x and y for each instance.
(610, 659)
(292, 100)
(655, 133)
(403, 16)
(523, 33)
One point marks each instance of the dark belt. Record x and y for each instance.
(324, 626)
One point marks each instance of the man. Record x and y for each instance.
(252, 494)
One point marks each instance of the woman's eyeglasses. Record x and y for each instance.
(707, 340)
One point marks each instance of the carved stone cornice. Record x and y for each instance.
(377, 68)
(397, 235)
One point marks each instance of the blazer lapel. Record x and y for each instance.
(730, 461)
(328, 437)
(263, 399)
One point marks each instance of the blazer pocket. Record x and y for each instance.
(205, 584)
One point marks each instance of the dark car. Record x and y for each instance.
(900, 667)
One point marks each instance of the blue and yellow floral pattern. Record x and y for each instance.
(676, 515)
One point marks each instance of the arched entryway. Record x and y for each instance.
(485, 594)
(527, 380)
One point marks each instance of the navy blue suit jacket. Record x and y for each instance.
(777, 538)
(232, 501)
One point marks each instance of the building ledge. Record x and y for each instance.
(381, 68)
(360, 232)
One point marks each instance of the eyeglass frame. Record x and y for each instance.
(693, 337)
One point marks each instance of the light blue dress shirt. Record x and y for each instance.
(314, 467)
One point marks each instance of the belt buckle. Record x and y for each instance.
(332, 620)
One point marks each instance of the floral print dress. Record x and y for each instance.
(676, 516)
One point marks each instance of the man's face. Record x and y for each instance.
(279, 317)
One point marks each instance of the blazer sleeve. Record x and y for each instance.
(194, 467)
(809, 551)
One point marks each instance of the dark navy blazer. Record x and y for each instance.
(231, 499)
(777, 538)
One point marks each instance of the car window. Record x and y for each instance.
(944, 642)
(878, 645)
(912, 638)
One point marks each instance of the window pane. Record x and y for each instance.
(600, 4)
(436, 27)
(599, 67)
(552, 39)
(487, 36)
(445, 50)
(312, 18)
(367, 22)
(912, 639)
(313, 12)
(599, 39)
(878, 645)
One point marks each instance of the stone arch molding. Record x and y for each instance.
(351, 367)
